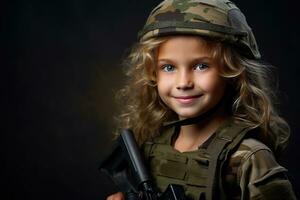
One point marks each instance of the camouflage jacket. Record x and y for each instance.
(250, 172)
(253, 173)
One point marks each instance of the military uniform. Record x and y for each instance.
(245, 167)
(232, 164)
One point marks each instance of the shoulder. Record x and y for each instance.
(255, 156)
(252, 150)
(258, 174)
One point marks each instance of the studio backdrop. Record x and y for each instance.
(61, 68)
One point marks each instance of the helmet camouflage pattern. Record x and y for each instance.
(218, 19)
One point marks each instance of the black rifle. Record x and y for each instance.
(126, 168)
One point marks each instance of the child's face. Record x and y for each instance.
(188, 77)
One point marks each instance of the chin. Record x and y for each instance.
(183, 114)
(188, 115)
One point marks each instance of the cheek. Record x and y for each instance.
(162, 86)
(159, 90)
(164, 81)
(162, 92)
(212, 83)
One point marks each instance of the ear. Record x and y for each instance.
(151, 71)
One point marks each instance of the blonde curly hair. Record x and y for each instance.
(250, 104)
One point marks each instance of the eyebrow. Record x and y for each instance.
(167, 60)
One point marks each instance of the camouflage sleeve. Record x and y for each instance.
(259, 175)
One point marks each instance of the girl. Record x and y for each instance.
(200, 105)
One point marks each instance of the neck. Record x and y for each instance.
(192, 136)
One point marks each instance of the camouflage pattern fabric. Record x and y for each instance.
(218, 19)
(251, 172)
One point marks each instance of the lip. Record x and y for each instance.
(187, 99)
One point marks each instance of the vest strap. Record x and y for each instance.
(218, 149)
(147, 149)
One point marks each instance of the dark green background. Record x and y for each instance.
(60, 67)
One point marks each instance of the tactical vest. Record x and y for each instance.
(199, 171)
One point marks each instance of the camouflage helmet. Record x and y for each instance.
(218, 19)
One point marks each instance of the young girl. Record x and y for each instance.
(200, 105)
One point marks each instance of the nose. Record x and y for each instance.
(184, 80)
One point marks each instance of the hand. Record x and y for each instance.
(116, 196)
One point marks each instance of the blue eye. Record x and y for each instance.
(168, 68)
(201, 66)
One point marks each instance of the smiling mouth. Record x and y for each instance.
(187, 99)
